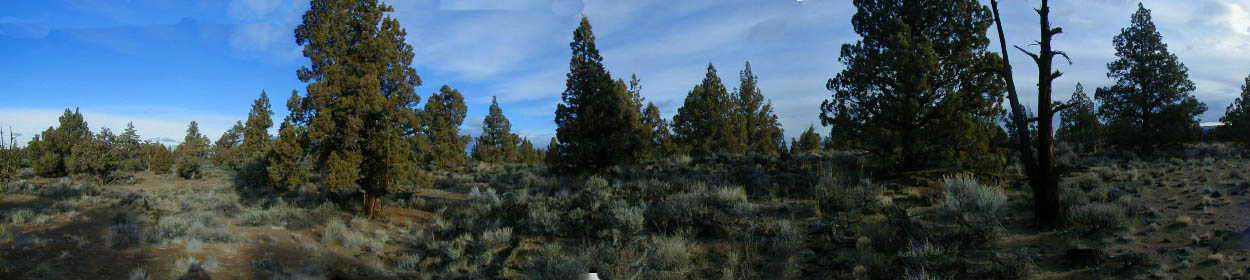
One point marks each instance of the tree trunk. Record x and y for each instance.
(1040, 168)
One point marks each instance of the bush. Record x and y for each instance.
(553, 264)
(1097, 218)
(975, 207)
(189, 167)
(673, 258)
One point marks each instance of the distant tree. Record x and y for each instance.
(51, 148)
(597, 120)
(226, 150)
(256, 137)
(1236, 118)
(95, 157)
(809, 141)
(360, 108)
(552, 156)
(497, 143)
(190, 154)
(1151, 106)
(444, 113)
(659, 140)
(527, 154)
(919, 88)
(763, 134)
(130, 150)
(707, 122)
(1078, 124)
(160, 159)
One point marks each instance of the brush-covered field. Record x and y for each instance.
(810, 216)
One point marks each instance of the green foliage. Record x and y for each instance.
(51, 148)
(1150, 107)
(1237, 118)
(809, 141)
(160, 159)
(497, 144)
(706, 123)
(94, 157)
(360, 110)
(226, 150)
(597, 120)
(190, 154)
(288, 167)
(444, 112)
(657, 135)
(1097, 218)
(919, 89)
(129, 149)
(761, 128)
(1078, 125)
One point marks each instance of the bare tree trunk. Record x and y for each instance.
(1040, 168)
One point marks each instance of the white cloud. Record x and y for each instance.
(264, 28)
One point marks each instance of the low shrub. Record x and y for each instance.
(977, 208)
(552, 264)
(1097, 218)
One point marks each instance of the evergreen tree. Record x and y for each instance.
(1151, 100)
(707, 122)
(288, 167)
(444, 112)
(1236, 118)
(527, 154)
(919, 87)
(52, 147)
(226, 148)
(659, 139)
(496, 144)
(1078, 124)
(552, 154)
(130, 148)
(191, 152)
(809, 141)
(763, 134)
(597, 122)
(256, 137)
(94, 157)
(160, 159)
(360, 108)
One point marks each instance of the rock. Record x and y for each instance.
(1083, 257)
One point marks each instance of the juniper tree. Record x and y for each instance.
(919, 87)
(94, 157)
(527, 154)
(497, 143)
(159, 158)
(1151, 106)
(1078, 124)
(552, 154)
(707, 122)
(762, 130)
(597, 121)
(809, 141)
(1236, 118)
(288, 167)
(659, 140)
(51, 148)
(226, 148)
(190, 154)
(256, 137)
(130, 151)
(444, 113)
(360, 110)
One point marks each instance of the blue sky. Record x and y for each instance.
(164, 63)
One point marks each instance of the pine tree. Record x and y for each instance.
(597, 122)
(497, 143)
(763, 134)
(919, 87)
(360, 108)
(444, 113)
(1151, 106)
(94, 157)
(256, 137)
(52, 147)
(160, 159)
(706, 123)
(1078, 124)
(527, 154)
(552, 154)
(1236, 118)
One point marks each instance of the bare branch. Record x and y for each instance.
(1036, 59)
(1065, 56)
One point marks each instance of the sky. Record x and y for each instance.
(164, 63)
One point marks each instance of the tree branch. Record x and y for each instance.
(1059, 107)
(1036, 58)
